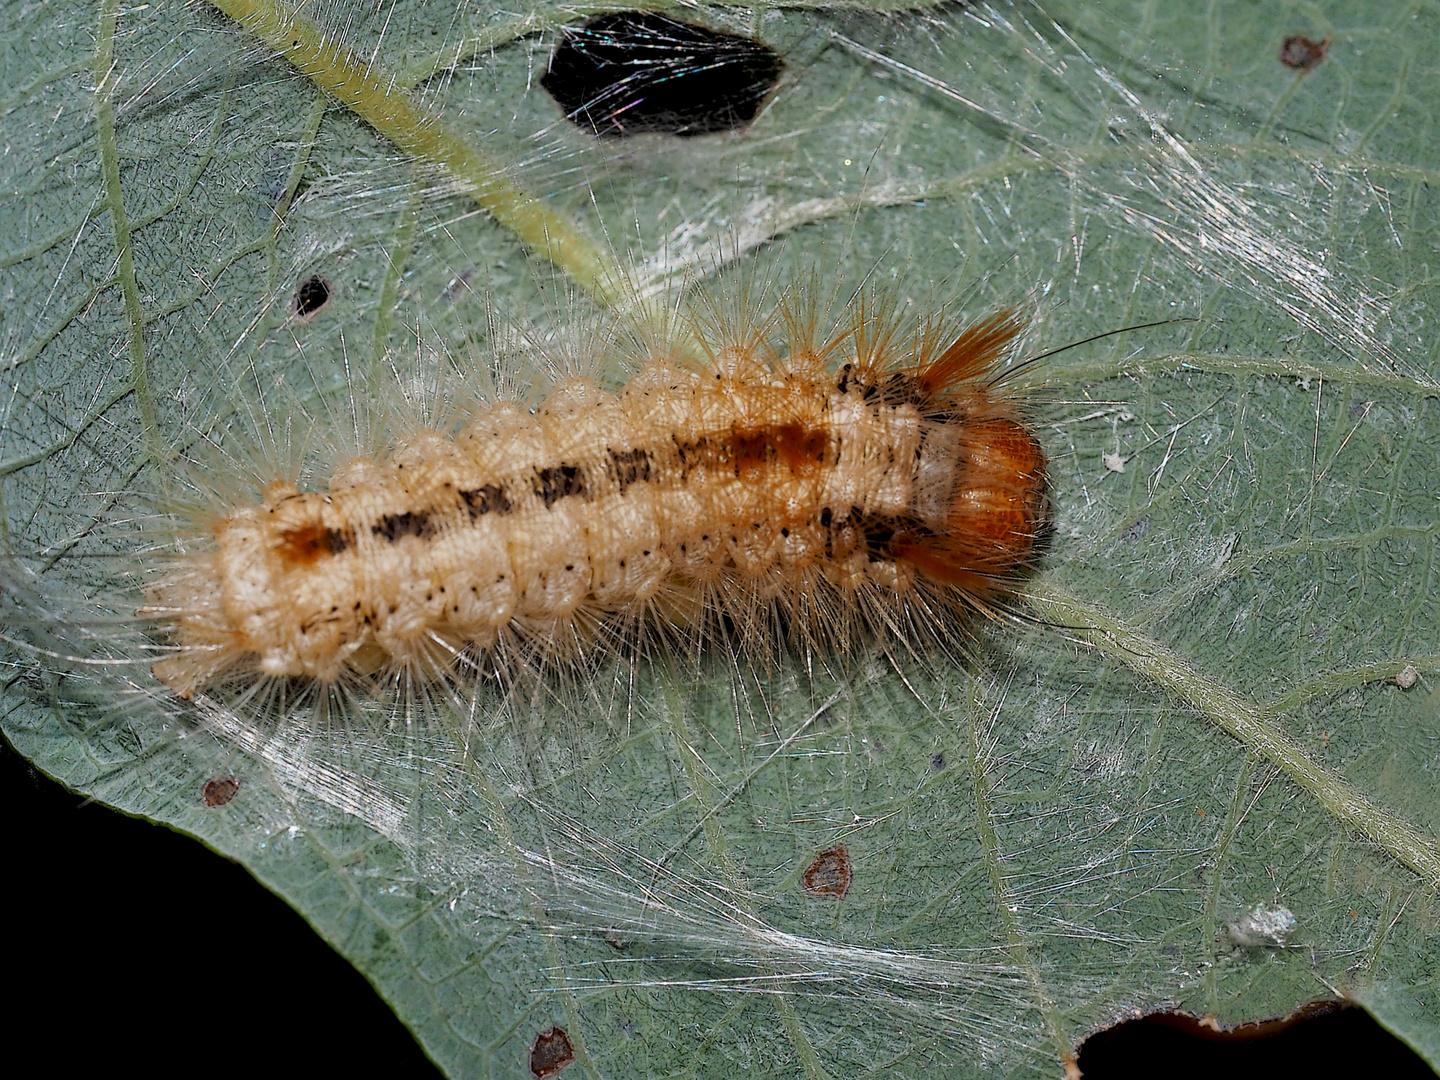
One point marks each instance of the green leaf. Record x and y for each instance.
(1406, 1016)
(1200, 773)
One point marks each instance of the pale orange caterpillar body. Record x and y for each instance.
(873, 482)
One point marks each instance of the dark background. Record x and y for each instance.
(111, 967)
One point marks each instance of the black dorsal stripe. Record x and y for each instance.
(563, 481)
(486, 499)
(393, 527)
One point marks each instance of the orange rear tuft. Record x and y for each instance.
(972, 355)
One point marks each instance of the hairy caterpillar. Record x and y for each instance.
(867, 482)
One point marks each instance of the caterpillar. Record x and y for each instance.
(865, 483)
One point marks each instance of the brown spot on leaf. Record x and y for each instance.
(1301, 53)
(551, 1052)
(829, 874)
(219, 790)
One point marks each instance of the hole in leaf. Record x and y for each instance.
(1322, 1039)
(639, 71)
(311, 297)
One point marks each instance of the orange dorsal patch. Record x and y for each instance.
(308, 544)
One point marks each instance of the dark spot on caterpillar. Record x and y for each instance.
(639, 71)
(886, 536)
(629, 467)
(489, 499)
(829, 874)
(689, 451)
(897, 388)
(878, 536)
(563, 480)
(551, 1052)
(219, 790)
(903, 388)
(311, 297)
(393, 526)
(310, 542)
(1301, 53)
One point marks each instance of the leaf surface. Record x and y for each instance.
(1202, 774)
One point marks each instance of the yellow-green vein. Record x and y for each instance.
(1243, 720)
(370, 92)
(1004, 904)
(139, 382)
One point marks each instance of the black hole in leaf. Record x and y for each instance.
(1322, 1039)
(312, 295)
(639, 71)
